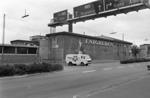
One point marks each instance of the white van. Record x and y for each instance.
(78, 59)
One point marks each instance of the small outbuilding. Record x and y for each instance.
(145, 51)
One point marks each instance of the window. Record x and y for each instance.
(32, 50)
(75, 58)
(88, 6)
(0, 49)
(9, 49)
(82, 57)
(21, 50)
(148, 50)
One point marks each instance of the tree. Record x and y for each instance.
(135, 50)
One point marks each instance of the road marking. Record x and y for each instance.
(106, 69)
(75, 96)
(88, 71)
(120, 67)
(131, 65)
(29, 86)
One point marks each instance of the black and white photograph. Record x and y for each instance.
(74, 48)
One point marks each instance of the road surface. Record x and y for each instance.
(105, 80)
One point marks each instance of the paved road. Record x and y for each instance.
(73, 82)
(138, 88)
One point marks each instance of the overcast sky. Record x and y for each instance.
(134, 25)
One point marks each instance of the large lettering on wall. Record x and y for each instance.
(98, 42)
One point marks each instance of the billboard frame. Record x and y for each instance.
(56, 16)
(135, 7)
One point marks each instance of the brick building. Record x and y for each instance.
(58, 45)
(145, 51)
(18, 54)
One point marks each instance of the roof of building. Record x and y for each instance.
(10, 45)
(109, 38)
(37, 36)
(27, 41)
(145, 45)
(104, 38)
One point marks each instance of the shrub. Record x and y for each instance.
(21, 66)
(56, 67)
(134, 60)
(7, 70)
(20, 69)
(34, 68)
(43, 67)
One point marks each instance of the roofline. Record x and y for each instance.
(18, 45)
(25, 41)
(38, 35)
(22, 41)
(144, 44)
(87, 36)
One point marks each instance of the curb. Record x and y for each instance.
(13, 77)
(26, 75)
(20, 76)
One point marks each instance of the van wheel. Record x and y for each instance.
(70, 64)
(82, 64)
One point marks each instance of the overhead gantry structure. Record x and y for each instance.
(96, 9)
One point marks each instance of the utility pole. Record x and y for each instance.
(3, 39)
(70, 27)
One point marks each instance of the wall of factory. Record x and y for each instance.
(57, 47)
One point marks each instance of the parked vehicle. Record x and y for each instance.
(78, 59)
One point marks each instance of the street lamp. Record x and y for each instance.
(116, 33)
(25, 15)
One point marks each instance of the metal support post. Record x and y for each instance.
(70, 27)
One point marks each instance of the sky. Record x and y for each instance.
(135, 25)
